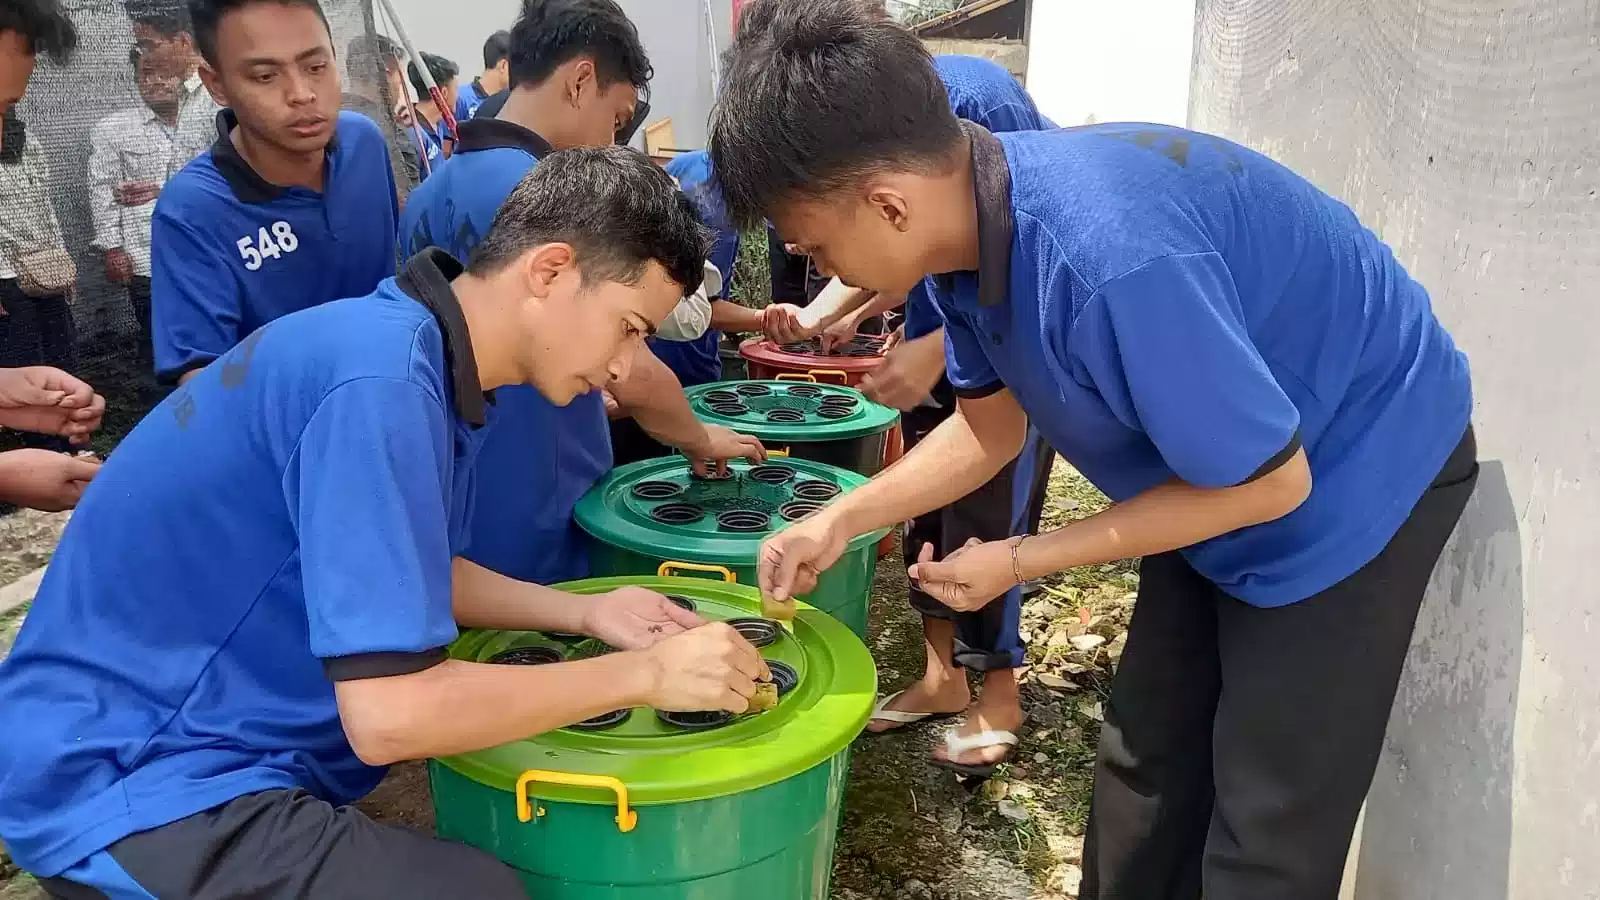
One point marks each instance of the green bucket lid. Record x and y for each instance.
(658, 507)
(788, 411)
(827, 703)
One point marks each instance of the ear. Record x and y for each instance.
(213, 83)
(546, 264)
(580, 79)
(890, 205)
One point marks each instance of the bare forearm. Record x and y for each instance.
(483, 598)
(729, 316)
(1167, 517)
(458, 707)
(947, 465)
(654, 397)
(836, 301)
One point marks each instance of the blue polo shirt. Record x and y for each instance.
(230, 251)
(429, 147)
(539, 458)
(983, 91)
(697, 361)
(285, 520)
(1166, 304)
(469, 98)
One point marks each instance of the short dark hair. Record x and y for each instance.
(440, 68)
(496, 48)
(817, 94)
(616, 208)
(548, 33)
(168, 18)
(206, 15)
(44, 28)
(369, 57)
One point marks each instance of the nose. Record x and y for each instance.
(621, 365)
(299, 90)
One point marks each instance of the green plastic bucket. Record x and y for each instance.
(655, 517)
(826, 423)
(646, 809)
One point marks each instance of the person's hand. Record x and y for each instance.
(709, 668)
(840, 332)
(783, 323)
(403, 115)
(137, 193)
(633, 618)
(45, 480)
(792, 559)
(892, 340)
(44, 400)
(613, 408)
(119, 266)
(907, 374)
(710, 454)
(968, 579)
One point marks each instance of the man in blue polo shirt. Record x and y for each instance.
(247, 618)
(429, 134)
(295, 203)
(1252, 377)
(579, 67)
(496, 76)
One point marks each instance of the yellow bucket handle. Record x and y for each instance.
(783, 452)
(842, 375)
(627, 819)
(798, 376)
(667, 568)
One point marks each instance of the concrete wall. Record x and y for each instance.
(1468, 135)
(1123, 61)
(674, 33)
(1011, 54)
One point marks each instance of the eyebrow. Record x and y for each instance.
(649, 326)
(302, 56)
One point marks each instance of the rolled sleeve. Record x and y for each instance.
(1171, 354)
(369, 487)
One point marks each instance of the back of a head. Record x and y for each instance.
(816, 94)
(549, 33)
(496, 48)
(616, 208)
(206, 15)
(369, 56)
(42, 26)
(442, 70)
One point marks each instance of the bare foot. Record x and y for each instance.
(946, 696)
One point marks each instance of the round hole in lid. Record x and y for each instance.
(760, 632)
(795, 510)
(729, 409)
(753, 390)
(783, 675)
(656, 490)
(805, 390)
(743, 521)
(527, 656)
(816, 490)
(783, 414)
(695, 721)
(618, 716)
(677, 513)
(720, 395)
(835, 412)
(771, 473)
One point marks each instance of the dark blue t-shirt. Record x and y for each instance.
(230, 251)
(1178, 306)
(286, 517)
(429, 147)
(539, 458)
(697, 362)
(468, 99)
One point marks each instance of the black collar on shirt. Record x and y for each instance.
(492, 134)
(991, 183)
(244, 181)
(426, 279)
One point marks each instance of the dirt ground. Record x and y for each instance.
(910, 832)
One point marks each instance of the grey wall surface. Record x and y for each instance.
(1468, 135)
(674, 33)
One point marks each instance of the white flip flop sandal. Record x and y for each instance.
(959, 745)
(900, 718)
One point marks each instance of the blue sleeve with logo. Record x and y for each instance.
(368, 488)
(194, 298)
(1167, 348)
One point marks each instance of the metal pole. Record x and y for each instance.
(446, 113)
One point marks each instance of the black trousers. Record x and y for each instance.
(630, 443)
(1008, 504)
(286, 844)
(1239, 742)
(36, 331)
(139, 299)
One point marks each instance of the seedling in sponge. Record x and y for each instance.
(781, 610)
(765, 697)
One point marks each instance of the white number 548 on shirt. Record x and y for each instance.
(267, 244)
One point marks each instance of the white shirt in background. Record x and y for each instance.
(135, 145)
